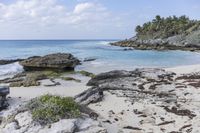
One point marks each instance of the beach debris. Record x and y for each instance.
(166, 122)
(181, 112)
(184, 127)
(132, 128)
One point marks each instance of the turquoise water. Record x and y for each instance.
(108, 57)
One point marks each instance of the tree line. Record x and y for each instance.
(161, 27)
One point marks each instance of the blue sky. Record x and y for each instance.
(85, 19)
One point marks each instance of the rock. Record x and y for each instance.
(131, 83)
(63, 126)
(104, 77)
(4, 91)
(177, 42)
(89, 59)
(19, 120)
(29, 79)
(5, 62)
(90, 126)
(9, 128)
(92, 95)
(58, 61)
(94, 130)
(24, 119)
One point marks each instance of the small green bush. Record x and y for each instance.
(48, 108)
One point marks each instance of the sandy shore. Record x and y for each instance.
(72, 88)
(66, 88)
(115, 112)
(185, 69)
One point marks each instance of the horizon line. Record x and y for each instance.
(58, 39)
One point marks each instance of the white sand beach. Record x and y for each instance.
(66, 88)
(185, 69)
(117, 114)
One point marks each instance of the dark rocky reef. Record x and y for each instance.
(4, 91)
(58, 62)
(47, 67)
(5, 62)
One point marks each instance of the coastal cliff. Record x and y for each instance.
(171, 33)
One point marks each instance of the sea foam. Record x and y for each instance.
(10, 70)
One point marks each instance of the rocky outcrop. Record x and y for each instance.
(58, 62)
(189, 42)
(131, 83)
(5, 62)
(20, 118)
(23, 123)
(156, 100)
(4, 91)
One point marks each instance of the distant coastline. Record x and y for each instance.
(171, 33)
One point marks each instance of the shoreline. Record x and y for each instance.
(156, 44)
(116, 118)
(185, 69)
(66, 87)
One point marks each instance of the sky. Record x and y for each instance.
(85, 19)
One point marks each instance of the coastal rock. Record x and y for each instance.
(155, 98)
(5, 62)
(91, 95)
(177, 42)
(19, 120)
(89, 59)
(63, 126)
(10, 127)
(24, 118)
(4, 91)
(132, 83)
(58, 61)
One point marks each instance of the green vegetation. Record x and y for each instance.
(71, 79)
(52, 74)
(161, 27)
(85, 73)
(48, 108)
(32, 78)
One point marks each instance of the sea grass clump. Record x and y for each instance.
(71, 79)
(85, 73)
(48, 108)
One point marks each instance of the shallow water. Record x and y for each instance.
(108, 57)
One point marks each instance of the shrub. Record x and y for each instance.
(48, 108)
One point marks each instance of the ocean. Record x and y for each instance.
(107, 57)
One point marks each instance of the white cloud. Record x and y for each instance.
(37, 18)
(83, 7)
